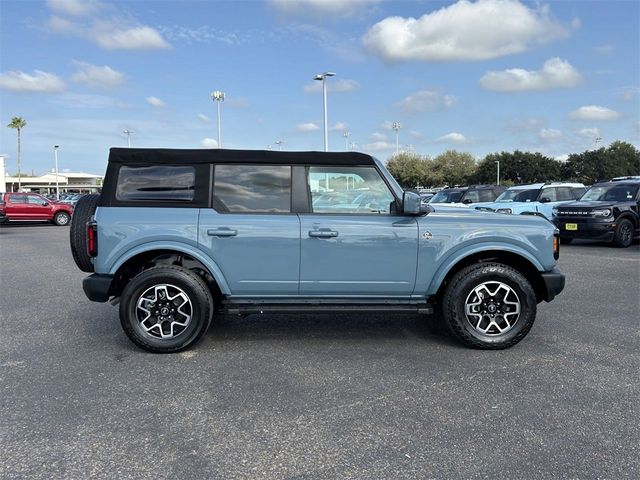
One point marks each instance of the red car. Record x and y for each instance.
(33, 207)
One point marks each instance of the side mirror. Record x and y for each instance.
(545, 200)
(412, 204)
(467, 201)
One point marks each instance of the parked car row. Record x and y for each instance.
(21, 206)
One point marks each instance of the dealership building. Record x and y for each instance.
(46, 184)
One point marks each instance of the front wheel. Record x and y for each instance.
(166, 309)
(623, 236)
(61, 219)
(489, 306)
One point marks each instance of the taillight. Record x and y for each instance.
(92, 238)
(556, 245)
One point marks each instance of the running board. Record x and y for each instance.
(249, 309)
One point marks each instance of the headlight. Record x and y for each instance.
(601, 212)
(504, 210)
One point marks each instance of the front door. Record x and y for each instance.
(250, 232)
(351, 242)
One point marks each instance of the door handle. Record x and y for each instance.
(222, 232)
(323, 233)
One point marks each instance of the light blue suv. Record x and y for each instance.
(178, 235)
(536, 198)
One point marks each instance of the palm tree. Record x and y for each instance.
(18, 123)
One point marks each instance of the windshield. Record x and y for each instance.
(447, 196)
(518, 195)
(613, 193)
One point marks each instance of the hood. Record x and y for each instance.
(486, 219)
(452, 204)
(587, 204)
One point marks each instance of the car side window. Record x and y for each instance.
(17, 198)
(35, 200)
(578, 192)
(156, 183)
(252, 188)
(564, 194)
(550, 193)
(349, 190)
(472, 195)
(486, 195)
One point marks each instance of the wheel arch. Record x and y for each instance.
(512, 259)
(139, 261)
(629, 216)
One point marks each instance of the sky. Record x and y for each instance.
(477, 76)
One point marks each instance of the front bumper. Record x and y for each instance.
(592, 230)
(97, 286)
(553, 284)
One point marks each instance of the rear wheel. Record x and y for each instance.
(166, 309)
(623, 236)
(489, 306)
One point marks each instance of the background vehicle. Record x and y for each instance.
(465, 196)
(608, 211)
(34, 207)
(536, 198)
(179, 234)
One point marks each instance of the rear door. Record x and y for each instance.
(17, 207)
(352, 244)
(555, 196)
(250, 230)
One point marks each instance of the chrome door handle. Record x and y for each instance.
(222, 232)
(323, 233)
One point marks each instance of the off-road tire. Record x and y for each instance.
(623, 236)
(84, 210)
(459, 289)
(61, 219)
(190, 284)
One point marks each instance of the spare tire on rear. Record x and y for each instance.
(84, 210)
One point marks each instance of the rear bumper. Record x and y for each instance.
(96, 287)
(553, 283)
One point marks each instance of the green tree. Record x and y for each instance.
(408, 168)
(617, 160)
(454, 168)
(517, 167)
(18, 123)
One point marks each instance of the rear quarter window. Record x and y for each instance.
(164, 183)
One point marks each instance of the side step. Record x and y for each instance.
(249, 309)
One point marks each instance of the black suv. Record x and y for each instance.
(468, 195)
(607, 211)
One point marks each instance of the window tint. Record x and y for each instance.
(348, 190)
(487, 195)
(564, 193)
(17, 198)
(578, 191)
(550, 193)
(156, 183)
(252, 188)
(36, 200)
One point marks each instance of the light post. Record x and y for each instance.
(128, 134)
(279, 143)
(55, 154)
(497, 162)
(323, 78)
(346, 136)
(218, 97)
(397, 126)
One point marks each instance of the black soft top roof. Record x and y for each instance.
(154, 156)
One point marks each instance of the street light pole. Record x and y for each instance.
(323, 78)
(497, 162)
(279, 143)
(55, 154)
(218, 97)
(128, 134)
(397, 126)
(346, 136)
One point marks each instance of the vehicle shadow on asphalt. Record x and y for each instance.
(328, 326)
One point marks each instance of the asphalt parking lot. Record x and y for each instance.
(315, 396)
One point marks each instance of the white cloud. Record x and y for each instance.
(62, 25)
(38, 82)
(562, 158)
(464, 31)
(328, 8)
(378, 137)
(97, 77)
(549, 134)
(83, 100)
(425, 101)
(204, 118)
(338, 127)
(594, 112)
(378, 146)
(555, 73)
(415, 134)
(606, 49)
(307, 127)
(453, 137)
(74, 8)
(156, 102)
(338, 85)
(209, 143)
(590, 133)
(135, 38)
